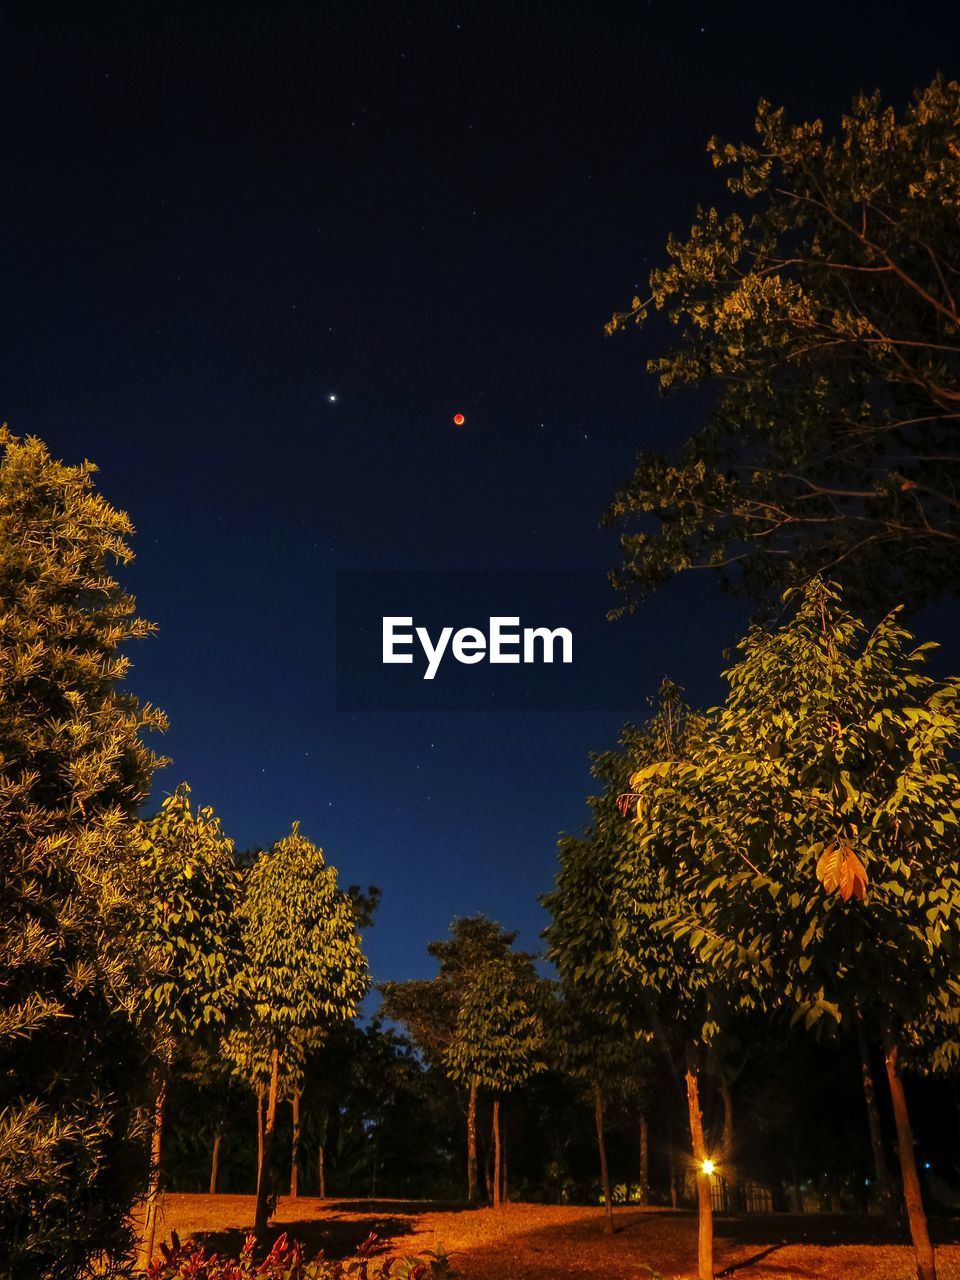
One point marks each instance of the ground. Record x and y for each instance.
(563, 1242)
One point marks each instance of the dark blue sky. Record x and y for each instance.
(212, 221)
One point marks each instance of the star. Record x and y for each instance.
(332, 397)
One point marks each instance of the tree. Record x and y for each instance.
(209, 1097)
(73, 771)
(820, 314)
(593, 1050)
(499, 1038)
(430, 1009)
(814, 832)
(606, 934)
(365, 904)
(305, 969)
(189, 936)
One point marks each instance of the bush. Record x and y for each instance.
(285, 1262)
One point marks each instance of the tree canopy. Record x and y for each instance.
(305, 970)
(813, 830)
(189, 928)
(73, 771)
(499, 1036)
(819, 314)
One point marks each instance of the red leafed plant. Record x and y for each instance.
(285, 1261)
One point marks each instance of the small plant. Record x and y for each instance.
(285, 1261)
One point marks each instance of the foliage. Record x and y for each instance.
(305, 968)
(73, 770)
(820, 312)
(429, 1009)
(606, 934)
(249, 1053)
(594, 1050)
(499, 1036)
(286, 1262)
(834, 747)
(188, 929)
(305, 971)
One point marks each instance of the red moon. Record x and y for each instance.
(459, 419)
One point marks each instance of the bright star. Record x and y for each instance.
(332, 398)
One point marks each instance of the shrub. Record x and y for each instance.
(285, 1261)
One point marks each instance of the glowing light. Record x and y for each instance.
(458, 419)
(332, 397)
(708, 1167)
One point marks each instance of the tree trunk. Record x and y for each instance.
(604, 1170)
(644, 1160)
(704, 1205)
(151, 1204)
(671, 1163)
(215, 1162)
(472, 1144)
(295, 1145)
(884, 1185)
(496, 1154)
(796, 1191)
(260, 1098)
(916, 1216)
(263, 1177)
(734, 1199)
(727, 1139)
(322, 1155)
(485, 1145)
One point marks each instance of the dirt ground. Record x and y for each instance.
(565, 1242)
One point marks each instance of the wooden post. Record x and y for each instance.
(700, 1154)
(496, 1154)
(263, 1177)
(604, 1169)
(916, 1216)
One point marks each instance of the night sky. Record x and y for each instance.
(215, 218)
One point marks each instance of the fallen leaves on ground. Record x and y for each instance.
(567, 1242)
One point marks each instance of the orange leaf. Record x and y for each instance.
(839, 868)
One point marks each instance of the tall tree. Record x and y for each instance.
(73, 771)
(305, 970)
(607, 1062)
(814, 831)
(499, 1038)
(820, 315)
(430, 1009)
(606, 934)
(189, 936)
